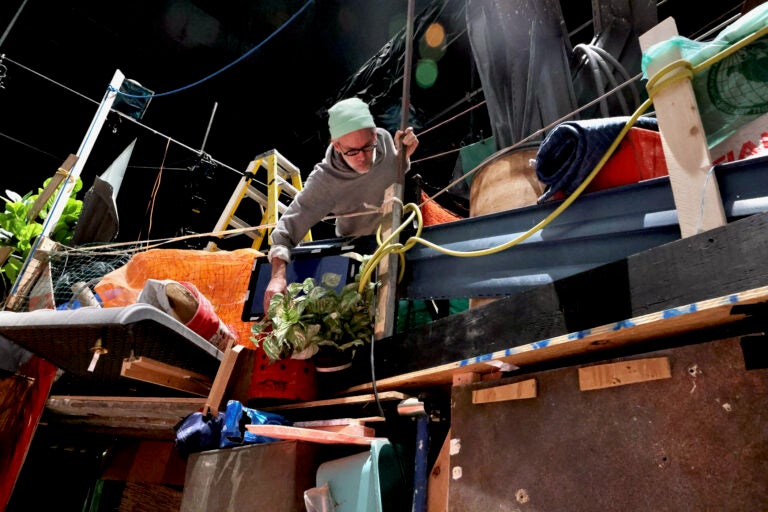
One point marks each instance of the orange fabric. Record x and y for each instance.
(221, 276)
(432, 213)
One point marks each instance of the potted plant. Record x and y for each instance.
(313, 316)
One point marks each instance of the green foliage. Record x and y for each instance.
(312, 314)
(20, 234)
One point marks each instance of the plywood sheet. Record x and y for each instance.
(695, 441)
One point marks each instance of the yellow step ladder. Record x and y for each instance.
(282, 178)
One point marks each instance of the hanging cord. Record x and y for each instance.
(664, 77)
(602, 64)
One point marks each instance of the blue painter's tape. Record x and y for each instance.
(734, 298)
(624, 324)
(540, 344)
(671, 313)
(484, 357)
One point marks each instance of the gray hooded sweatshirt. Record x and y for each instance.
(335, 188)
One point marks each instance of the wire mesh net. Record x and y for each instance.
(113, 276)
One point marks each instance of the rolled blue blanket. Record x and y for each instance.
(572, 150)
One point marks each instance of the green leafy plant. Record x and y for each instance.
(311, 315)
(20, 226)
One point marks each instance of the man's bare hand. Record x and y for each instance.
(275, 285)
(408, 139)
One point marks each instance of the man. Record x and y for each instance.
(359, 165)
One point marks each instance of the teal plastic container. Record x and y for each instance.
(369, 481)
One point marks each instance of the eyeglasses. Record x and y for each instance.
(356, 151)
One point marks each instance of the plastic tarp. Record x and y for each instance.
(731, 91)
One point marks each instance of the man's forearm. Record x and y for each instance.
(278, 268)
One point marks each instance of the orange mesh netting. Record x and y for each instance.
(222, 276)
(432, 213)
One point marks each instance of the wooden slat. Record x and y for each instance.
(308, 434)
(514, 391)
(155, 372)
(684, 141)
(347, 400)
(220, 382)
(350, 426)
(61, 174)
(625, 372)
(338, 421)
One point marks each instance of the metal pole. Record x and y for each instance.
(208, 130)
(406, 100)
(12, 23)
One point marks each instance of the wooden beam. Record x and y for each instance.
(137, 417)
(386, 303)
(626, 372)
(155, 372)
(698, 201)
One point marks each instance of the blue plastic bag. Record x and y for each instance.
(198, 432)
(238, 416)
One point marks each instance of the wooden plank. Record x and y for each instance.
(683, 140)
(308, 434)
(514, 391)
(353, 429)
(338, 422)
(351, 426)
(221, 381)
(622, 373)
(388, 266)
(669, 322)
(155, 372)
(137, 417)
(346, 400)
(437, 486)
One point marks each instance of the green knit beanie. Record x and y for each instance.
(347, 116)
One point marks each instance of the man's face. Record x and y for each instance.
(358, 148)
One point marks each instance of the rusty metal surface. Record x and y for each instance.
(696, 441)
